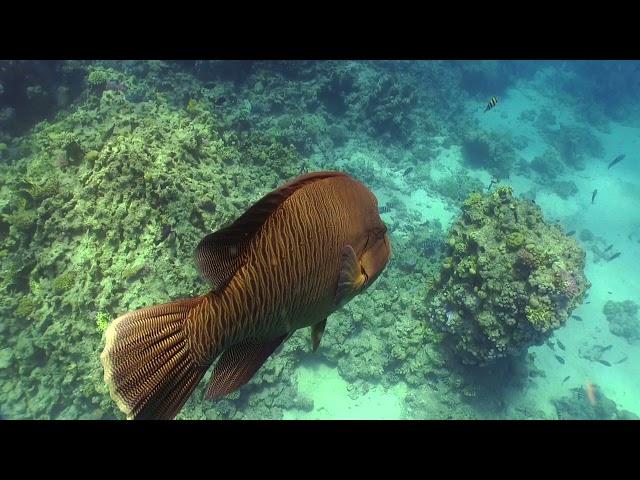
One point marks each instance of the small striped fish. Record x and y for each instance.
(294, 257)
(492, 103)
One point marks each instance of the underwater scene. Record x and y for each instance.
(319, 239)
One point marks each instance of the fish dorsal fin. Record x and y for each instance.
(317, 330)
(351, 278)
(238, 365)
(220, 254)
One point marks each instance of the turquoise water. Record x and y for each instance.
(112, 172)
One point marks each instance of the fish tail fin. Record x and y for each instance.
(147, 361)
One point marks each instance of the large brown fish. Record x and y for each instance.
(293, 258)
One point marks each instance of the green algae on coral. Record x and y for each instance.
(102, 321)
(26, 307)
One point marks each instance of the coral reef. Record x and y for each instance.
(457, 187)
(31, 91)
(573, 143)
(489, 151)
(577, 406)
(548, 165)
(507, 281)
(564, 189)
(102, 206)
(623, 319)
(91, 195)
(112, 171)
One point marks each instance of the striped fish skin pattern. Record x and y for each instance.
(289, 279)
(492, 103)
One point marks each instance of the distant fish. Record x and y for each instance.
(604, 362)
(587, 303)
(166, 231)
(593, 195)
(566, 378)
(608, 347)
(615, 255)
(493, 182)
(571, 233)
(220, 100)
(608, 248)
(385, 209)
(107, 134)
(407, 171)
(577, 317)
(622, 360)
(492, 103)
(560, 344)
(618, 159)
(560, 359)
(590, 389)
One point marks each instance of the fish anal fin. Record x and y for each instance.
(317, 330)
(351, 279)
(220, 254)
(238, 364)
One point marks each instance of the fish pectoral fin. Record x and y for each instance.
(238, 364)
(351, 278)
(316, 333)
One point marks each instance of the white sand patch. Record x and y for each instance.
(431, 207)
(332, 399)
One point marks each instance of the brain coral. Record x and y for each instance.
(508, 279)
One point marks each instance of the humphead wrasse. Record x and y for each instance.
(293, 258)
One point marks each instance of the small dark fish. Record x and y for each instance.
(385, 209)
(166, 231)
(492, 103)
(571, 233)
(494, 181)
(608, 347)
(560, 344)
(220, 100)
(608, 248)
(587, 303)
(622, 360)
(566, 378)
(604, 362)
(108, 133)
(610, 293)
(560, 359)
(577, 317)
(615, 255)
(593, 195)
(619, 158)
(408, 171)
